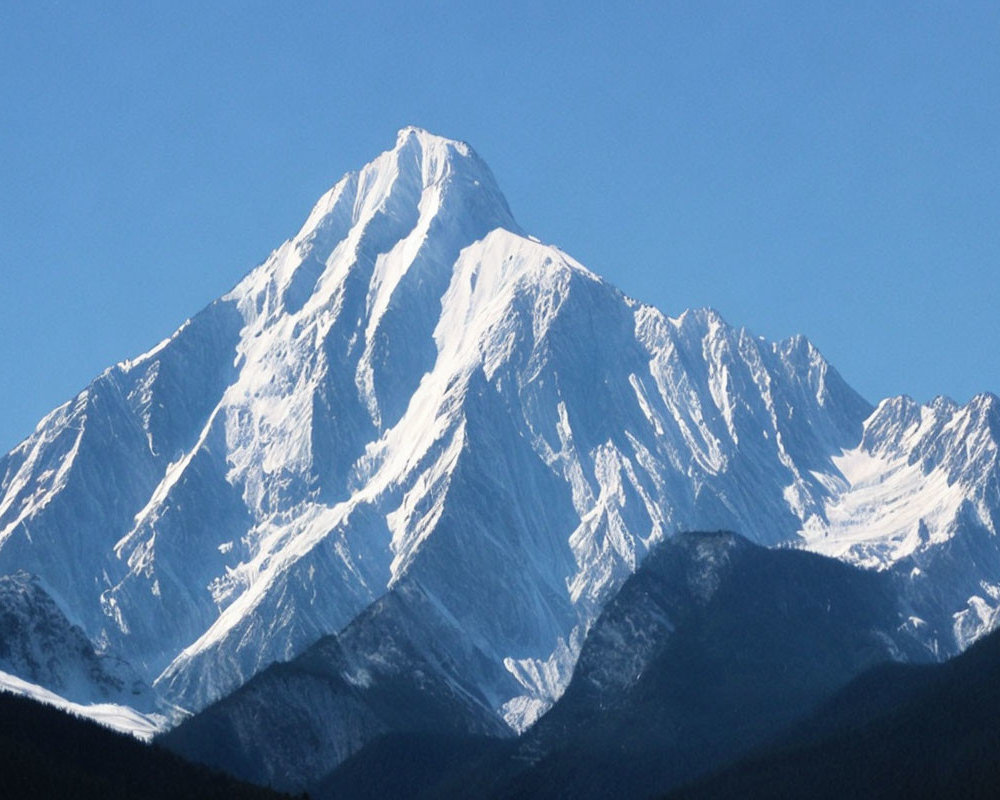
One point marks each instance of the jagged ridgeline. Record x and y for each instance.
(713, 646)
(412, 414)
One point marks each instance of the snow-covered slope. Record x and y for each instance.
(393, 670)
(44, 656)
(38, 642)
(118, 717)
(920, 494)
(412, 387)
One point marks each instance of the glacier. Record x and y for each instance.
(413, 391)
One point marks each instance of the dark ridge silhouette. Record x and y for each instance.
(714, 646)
(896, 732)
(46, 752)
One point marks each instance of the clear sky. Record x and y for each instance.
(825, 168)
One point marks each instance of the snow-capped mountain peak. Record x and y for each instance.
(411, 391)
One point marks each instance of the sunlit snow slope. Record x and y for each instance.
(411, 386)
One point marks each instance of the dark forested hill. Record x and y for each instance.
(47, 753)
(896, 732)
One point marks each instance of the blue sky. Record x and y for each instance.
(825, 168)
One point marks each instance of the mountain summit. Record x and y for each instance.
(411, 396)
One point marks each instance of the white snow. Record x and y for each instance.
(410, 373)
(110, 715)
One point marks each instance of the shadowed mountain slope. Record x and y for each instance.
(897, 732)
(714, 646)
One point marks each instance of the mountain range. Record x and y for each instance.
(712, 646)
(415, 440)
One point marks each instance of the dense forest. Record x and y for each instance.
(45, 752)
(897, 732)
